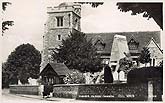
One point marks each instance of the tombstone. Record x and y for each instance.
(121, 76)
(119, 47)
(87, 78)
(19, 82)
(115, 76)
(32, 81)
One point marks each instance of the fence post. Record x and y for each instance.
(150, 90)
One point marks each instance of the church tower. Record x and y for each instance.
(62, 20)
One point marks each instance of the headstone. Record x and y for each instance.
(115, 76)
(32, 81)
(121, 76)
(87, 78)
(19, 82)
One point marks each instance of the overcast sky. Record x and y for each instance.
(29, 17)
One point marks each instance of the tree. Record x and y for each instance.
(22, 63)
(144, 57)
(149, 10)
(76, 52)
(93, 4)
(5, 76)
(5, 24)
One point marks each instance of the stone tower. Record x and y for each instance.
(62, 20)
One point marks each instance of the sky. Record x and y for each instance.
(29, 17)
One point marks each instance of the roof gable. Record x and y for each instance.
(152, 41)
(58, 68)
(142, 37)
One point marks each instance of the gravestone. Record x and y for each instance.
(121, 76)
(115, 75)
(119, 47)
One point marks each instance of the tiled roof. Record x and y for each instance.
(142, 37)
(59, 68)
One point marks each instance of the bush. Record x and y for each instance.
(143, 74)
(74, 77)
(108, 77)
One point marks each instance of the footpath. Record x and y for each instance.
(39, 97)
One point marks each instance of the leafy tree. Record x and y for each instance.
(76, 52)
(6, 24)
(22, 63)
(144, 57)
(93, 4)
(149, 10)
(5, 76)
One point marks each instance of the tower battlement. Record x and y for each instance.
(65, 7)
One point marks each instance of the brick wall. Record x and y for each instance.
(114, 92)
(24, 89)
(65, 91)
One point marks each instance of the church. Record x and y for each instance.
(65, 18)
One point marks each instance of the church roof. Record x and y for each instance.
(59, 68)
(141, 37)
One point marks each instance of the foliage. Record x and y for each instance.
(76, 52)
(108, 77)
(22, 63)
(143, 74)
(74, 77)
(6, 24)
(145, 57)
(93, 4)
(125, 63)
(4, 4)
(5, 76)
(149, 10)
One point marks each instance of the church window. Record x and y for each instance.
(153, 62)
(59, 37)
(59, 21)
(133, 45)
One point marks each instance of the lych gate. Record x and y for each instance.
(54, 73)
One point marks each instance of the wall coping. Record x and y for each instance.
(23, 85)
(58, 85)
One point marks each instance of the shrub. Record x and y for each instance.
(74, 77)
(108, 77)
(143, 74)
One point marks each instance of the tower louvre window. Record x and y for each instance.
(59, 37)
(59, 21)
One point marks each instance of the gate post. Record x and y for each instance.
(150, 90)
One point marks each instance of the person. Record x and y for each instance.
(48, 88)
(46, 91)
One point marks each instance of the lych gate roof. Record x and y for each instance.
(59, 68)
(142, 37)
